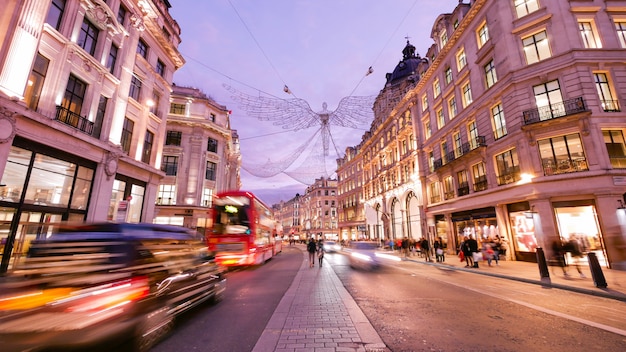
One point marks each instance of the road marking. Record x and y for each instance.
(532, 306)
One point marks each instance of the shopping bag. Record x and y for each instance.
(478, 256)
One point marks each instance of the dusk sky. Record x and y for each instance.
(320, 49)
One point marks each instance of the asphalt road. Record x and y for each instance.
(236, 323)
(416, 307)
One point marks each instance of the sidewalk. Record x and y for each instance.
(318, 314)
(529, 273)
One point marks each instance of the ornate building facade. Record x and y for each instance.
(318, 210)
(201, 157)
(350, 196)
(83, 90)
(520, 126)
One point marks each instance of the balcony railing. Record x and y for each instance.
(610, 105)
(463, 189)
(553, 111)
(510, 176)
(480, 184)
(459, 152)
(75, 120)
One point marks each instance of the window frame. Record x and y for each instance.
(88, 37)
(533, 43)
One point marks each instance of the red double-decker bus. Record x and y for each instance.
(241, 230)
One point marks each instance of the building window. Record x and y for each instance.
(55, 14)
(490, 74)
(147, 147)
(588, 34)
(615, 147)
(620, 27)
(524, 7)
(507, 165)
(170, 165)
(431, 161)
(461, 60)
(480, 177)
(482, 34)
(100, 115)
(472, 135)
(177, 109)
(88, 37)
(142, 49)
(536, 47)
(499, 123)
(443, 38)
(549, 100)
(424, 102)
(160, 68)
(207, 197)
(135, 88)
(167, 195)
(212, 117)
(212, 145)
(448, 188)
(452, 107)
(122, 12)
(427, 131)
(436, 88)
(463, 185)
(173, 138)
(112, 59)
(458, 145)
(607, 98)
(35, 81)
(210, 171)
(562, 154)
(127, 135)
(74, 96)
(441, 120)
(467, 94)
(444, 152)
(448, 75)
(435, 196)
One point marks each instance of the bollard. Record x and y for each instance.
(596, 270)
(541, 262)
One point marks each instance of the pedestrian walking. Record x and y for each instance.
(439, 252)
(405, 247)
(472, 247)
(311, 247)
(320, 251)
(425, 246)
(573, 247)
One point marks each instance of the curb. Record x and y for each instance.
(605, 293)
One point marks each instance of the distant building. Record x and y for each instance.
(318, 210)
(392, 188)
(350, 209)
(287, 214)
(201, 157)
(83, 90)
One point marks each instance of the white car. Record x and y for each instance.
(331, 246)
(362, 255)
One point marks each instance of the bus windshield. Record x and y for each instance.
(231, 219)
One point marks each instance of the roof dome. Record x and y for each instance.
(407, 67)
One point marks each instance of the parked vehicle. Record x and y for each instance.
(88, 286)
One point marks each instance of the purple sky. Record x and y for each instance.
(320, 49)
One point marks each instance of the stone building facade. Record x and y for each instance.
(201, 158)
(83, 90)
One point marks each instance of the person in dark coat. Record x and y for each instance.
(472, 245)
(425, 246)
(311, 247)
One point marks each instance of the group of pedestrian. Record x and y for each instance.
(315, 248)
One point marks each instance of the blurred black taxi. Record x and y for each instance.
(90, 286)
